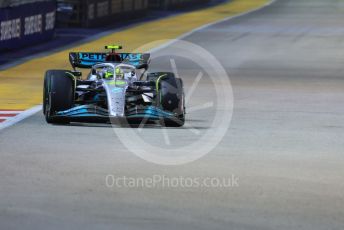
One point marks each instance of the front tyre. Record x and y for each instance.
(58, 95)
(171, 95)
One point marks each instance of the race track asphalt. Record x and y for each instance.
(284, 146)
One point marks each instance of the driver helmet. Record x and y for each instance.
(119, 73)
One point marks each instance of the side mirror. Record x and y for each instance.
(77, 73)
(142, 66)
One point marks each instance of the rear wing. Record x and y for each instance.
(87, 60)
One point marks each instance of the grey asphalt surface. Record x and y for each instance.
(284, 144)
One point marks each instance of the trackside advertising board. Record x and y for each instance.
(27, 24)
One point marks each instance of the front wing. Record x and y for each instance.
(92, 113)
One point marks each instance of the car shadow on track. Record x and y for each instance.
(133, 126)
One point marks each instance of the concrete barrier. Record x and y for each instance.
(26, 24)
(170, 4)
(90, 13)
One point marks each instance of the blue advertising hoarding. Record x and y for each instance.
(27, 24)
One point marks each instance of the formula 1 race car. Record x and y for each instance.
(117, 87)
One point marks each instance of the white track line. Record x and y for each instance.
(32, 111)
(21, 116)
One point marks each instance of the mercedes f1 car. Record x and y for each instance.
(118, 86)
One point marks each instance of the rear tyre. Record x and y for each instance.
(171, 96)
(58, 95)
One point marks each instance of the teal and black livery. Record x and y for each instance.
(118, 87)
(87, 60)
